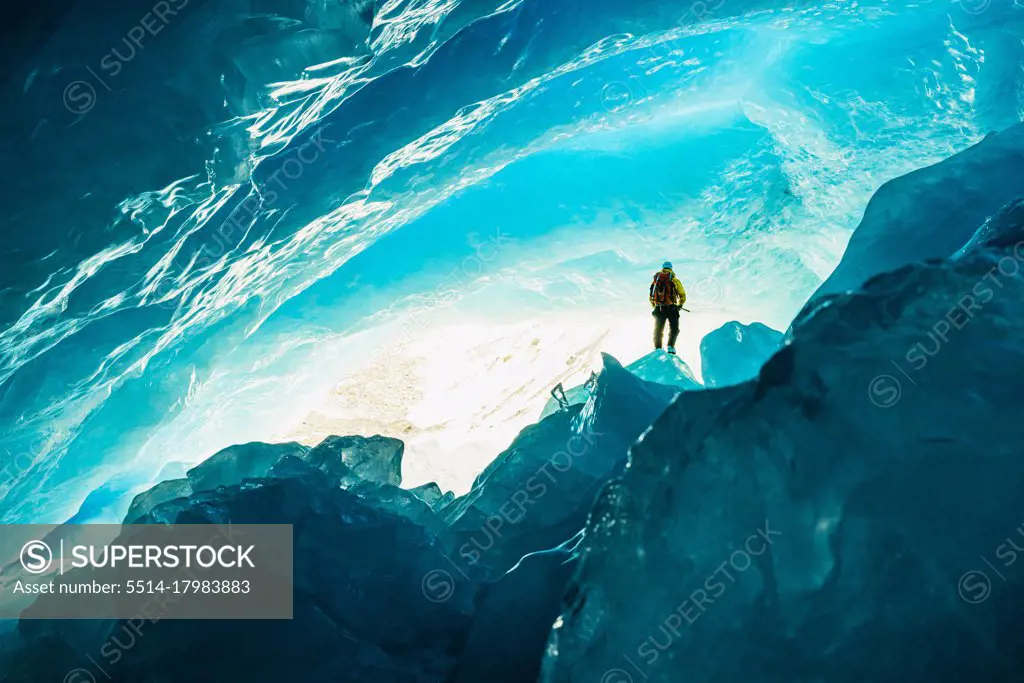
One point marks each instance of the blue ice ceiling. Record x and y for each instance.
(268, 196)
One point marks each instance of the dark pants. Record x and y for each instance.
(661, 314)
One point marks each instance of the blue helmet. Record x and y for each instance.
(667, 264)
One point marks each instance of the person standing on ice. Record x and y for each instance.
(667, 298)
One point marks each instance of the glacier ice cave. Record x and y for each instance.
(379, 269)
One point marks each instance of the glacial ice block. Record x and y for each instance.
(538, 492)
(657, 367)
(234, 463)
(735, 352)
(375, 459)
(931, 212)
(663, 368)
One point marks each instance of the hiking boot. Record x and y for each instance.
(672, 350)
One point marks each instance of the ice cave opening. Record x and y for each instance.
(418, 231)
(377, 271)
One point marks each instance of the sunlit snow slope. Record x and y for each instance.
(414, 217)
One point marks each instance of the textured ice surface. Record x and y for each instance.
(513, 618)
(657, 367)
(236, 463)
(931, 212)
(376, 459)
(538, 492)
(663, 368)
(735, 352)
(845, 517)
(431, 495)
(1003, 230)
